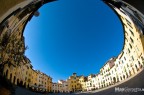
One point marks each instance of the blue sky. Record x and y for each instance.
(73, 36)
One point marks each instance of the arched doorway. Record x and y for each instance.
(114, 80)
(140, 65)
(73, 90)
(130, 73)
(123, 76)
(126, 75)
(14, 80)
(11, 77)
(18, 83)
(28, 86)
(133, 70)
(6, 73)
(25, 84)
(136, 67)
(21, 84)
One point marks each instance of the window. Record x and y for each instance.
(142, 58)
(130, 45)
(129, 25)
(126, 39)
(136, 67)
(122, 61)
(126, 33)
(128, 21)
(128, 50)
(125, 25)
(131, 32)
(124, 58)
(139, 63)
(123, 12)
(131, 40)
(122, 17)
(132, 58)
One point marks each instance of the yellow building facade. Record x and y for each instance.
(25, 76)
(73, 83)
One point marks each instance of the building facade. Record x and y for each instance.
(64, 86)
(73, 83)
(18, 70)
